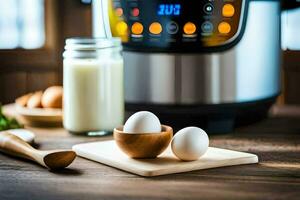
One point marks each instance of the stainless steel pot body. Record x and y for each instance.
(250, 71)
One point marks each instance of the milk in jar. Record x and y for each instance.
(93, 85)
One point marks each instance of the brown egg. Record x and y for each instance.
(22, 101)
(35, 100)
(52, 97)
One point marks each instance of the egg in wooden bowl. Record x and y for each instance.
(143, 136)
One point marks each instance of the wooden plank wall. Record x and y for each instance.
(291, 66)
(14, 84)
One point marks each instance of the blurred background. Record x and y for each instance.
(32, 35)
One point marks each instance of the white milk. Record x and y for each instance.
(93, 94)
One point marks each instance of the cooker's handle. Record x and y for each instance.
(101, 26)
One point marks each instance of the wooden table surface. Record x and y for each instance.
(277, 176)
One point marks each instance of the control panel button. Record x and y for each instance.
(224, 27)
(207, 27)
(137, 28)
(155, 28)
(228, 10)
(189, 28)
(119, 12)
(135, 12)
(121, 28)
(172, 27)
(208, 8)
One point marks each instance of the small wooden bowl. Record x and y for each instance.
(143, 145)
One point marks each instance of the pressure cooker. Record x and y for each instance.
(211, 63)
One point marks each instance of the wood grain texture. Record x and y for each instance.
(34, 116)
(143, 145)
(39, 116)
(16, 84)
(52, 159)
(108, 153)
(40, 80)
(291, 76)
(277, 176)
(12, 85)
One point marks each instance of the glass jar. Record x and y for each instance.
(93, 85)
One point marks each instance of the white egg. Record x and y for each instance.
(142, 122)
(190, 143)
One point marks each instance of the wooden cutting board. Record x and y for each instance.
(108, 153)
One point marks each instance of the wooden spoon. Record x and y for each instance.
(55, 159)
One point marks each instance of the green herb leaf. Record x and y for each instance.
(6, 123)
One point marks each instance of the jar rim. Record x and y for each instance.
(91, 43)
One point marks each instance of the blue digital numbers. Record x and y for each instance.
(169, 9)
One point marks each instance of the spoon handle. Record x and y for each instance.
(15, 146)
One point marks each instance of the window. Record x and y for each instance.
(290, 29)
(22, 24)
(32, 37)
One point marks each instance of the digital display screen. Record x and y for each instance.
(169, 9)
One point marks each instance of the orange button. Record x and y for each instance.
(119, 12)
(155, 28)
(137, 28)
(228, 10)
(189, 28)
(224, 27)
(121, 28)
